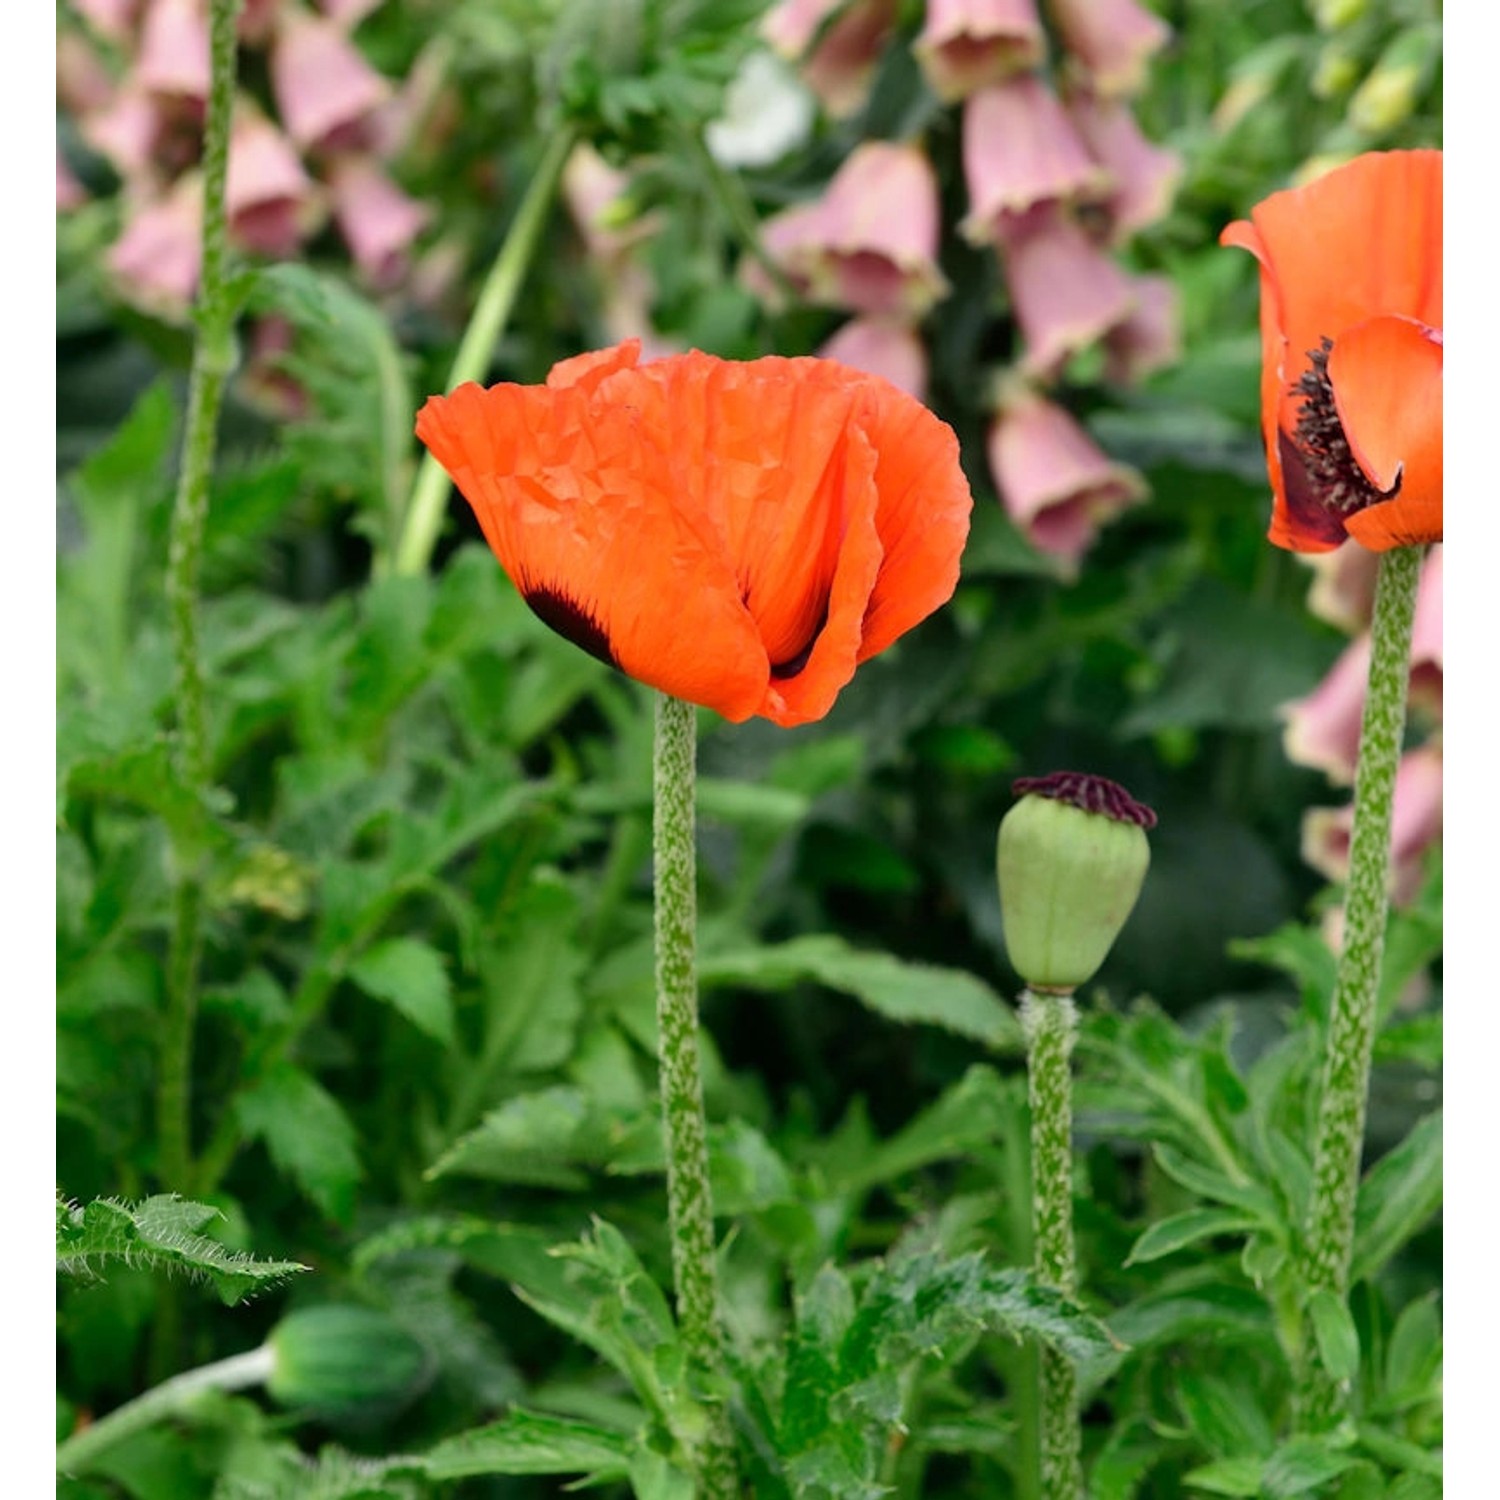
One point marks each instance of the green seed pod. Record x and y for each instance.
(1338, 70)
(1397, 82)
(1072, 856)
(344, 1361)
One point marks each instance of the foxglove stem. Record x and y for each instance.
(1051, 1026)
(689, 1202)
(213, 358)
(424, 512)
(1338, 1146)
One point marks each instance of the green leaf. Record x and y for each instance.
(1338, 1339)
(1187, 1229)
(905, 992)
(531, 1138)
(1224, 1415)
(1228, 1476)
(1208, 1182)
(1414, 1353)
(307, 1134)
(1302, 1466)
(525, 1442)
(1401, 1192)
(409, 975)
(161, 1232)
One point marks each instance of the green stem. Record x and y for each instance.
(689, 1204)
(213, 358)
(1339, 1143)
(77, 1454)
(424, 512)
(1051, 1025)
(738, 209)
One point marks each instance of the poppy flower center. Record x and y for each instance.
(1327, 476)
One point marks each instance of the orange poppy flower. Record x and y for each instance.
(1351, 319)
(741, 535)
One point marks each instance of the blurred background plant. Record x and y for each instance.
(425, 1038)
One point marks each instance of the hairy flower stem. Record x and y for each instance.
(690, 1206)
(213, 358)
(424, 511)
(1339, 1143)
(1051, 1026)
(77, 1454)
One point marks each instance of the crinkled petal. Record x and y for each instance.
(1387, 378)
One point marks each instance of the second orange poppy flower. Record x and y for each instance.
(740, 535)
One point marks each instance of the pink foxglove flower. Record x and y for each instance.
(884, 347)
(325, 91)
(839, 43)
(1021, 152)
(1150, 338)
(1343, 590)
(870, 242)
(1112, 40)
(173, 56)
(155, 261)
(84, 84)
(269, 198)
(348, 13)
(1416, 825)
(1322, 729)
(127, 131)
(967, 44)
(1055, 482)
(1067, 293)
(376, 218)
(1145, 175)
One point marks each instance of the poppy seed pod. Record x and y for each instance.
(1071, 861)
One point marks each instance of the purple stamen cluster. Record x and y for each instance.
(1094, 794)
(1335, 478)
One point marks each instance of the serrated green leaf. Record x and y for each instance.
(1337, 1337)
(526, 1442)
(409, 975)
(160, 1232)
(307, 1134)
(904, 992)
(1187, 1229)
(1400, 1193)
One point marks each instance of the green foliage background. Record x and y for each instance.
(424, 1058)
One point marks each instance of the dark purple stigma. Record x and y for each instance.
(1092, 794)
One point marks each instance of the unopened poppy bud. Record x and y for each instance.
(1072, 857)
(343, 1359)
(1391, 91)
(1337, 70)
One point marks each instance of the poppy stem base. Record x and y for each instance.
(1339, 1142)
(690, 1204)
(1051, 1025)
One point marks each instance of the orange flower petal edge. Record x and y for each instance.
(738, 534)
(1351, 316)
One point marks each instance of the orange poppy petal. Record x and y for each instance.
(1364, 241)
(1243, 235)
(807, 693)
(574, 503)
(761, 448)
(923, 515)
(1387, 378)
